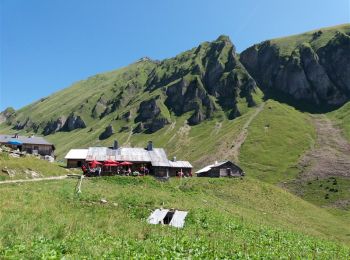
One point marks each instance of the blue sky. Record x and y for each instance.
(48, 45)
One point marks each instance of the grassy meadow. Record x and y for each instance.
(238, 218)
(21, 168)
(276, 139)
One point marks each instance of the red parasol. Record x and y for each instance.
(125, 163)
(94, 163)
(110, 163)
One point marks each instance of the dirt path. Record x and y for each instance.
(237, 143)
(36, 179)
(331, 154)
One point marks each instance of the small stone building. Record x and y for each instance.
(221, 169)
(76, 157)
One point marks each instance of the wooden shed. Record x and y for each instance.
(221, 169)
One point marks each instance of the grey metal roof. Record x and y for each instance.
(100, 154)
(180, 164)
(24, 139)
(157, 156)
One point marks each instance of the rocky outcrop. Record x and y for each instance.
(309, 74)
(54, 126)
(100, 108)
(21, 124)
(6, 115)
(206, 82)
(124, 129)
(127, 116)
(148, 109)
(335, 58)
(73, 122)
(151, 117)
(63, 124)
(185, 96)
(213, 81)
(26, 123)
(109, 131)
(155, 124)
(139, 128)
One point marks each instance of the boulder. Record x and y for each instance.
(109, 131)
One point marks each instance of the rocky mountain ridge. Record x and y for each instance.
(205, 82)
(315, 71)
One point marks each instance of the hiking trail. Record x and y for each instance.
(35, 179)
(240, 139)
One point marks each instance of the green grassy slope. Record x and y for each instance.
(331, 193)
(83, 95)
(277, 138)
(227, 217)
(21, 168)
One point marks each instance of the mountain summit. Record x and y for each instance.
(310, 71)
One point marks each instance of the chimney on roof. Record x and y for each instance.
(16, 135)
(174, 159)
(150, 146)
(216, 162)
(115, 145)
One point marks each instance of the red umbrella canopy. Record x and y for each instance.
(110, 163)
(94, 163)
(125, 163)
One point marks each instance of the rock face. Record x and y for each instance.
(99, 109)
(7, 114)
(64, 124)
(109, 131)
(73, 122)
(204, 80)
(150, 116)
(54, 126)
(310, 73)
(26, 123)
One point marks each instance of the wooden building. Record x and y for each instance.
(76, 157)
(30, 144)
(221, 169)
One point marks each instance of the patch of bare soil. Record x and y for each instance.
(331, 154)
